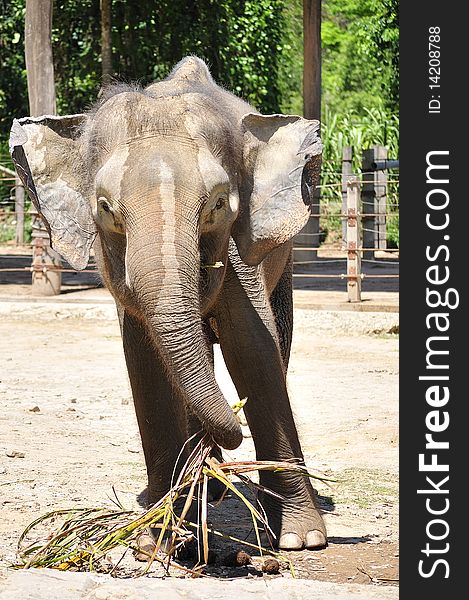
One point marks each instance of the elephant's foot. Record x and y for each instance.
(146, 546)
(216, 489)
(296, 520)
(151, 495)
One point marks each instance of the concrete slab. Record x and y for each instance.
(374, 301)
(313, 299)
(48, 584)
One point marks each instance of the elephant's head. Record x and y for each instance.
(164, 176)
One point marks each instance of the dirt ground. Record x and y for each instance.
(69, 433)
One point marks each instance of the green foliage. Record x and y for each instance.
(360, 92)
(360, 56)
(8, 229)
(291, 63)
(76, 47)
(240, 40)
(13, 86)
(253, 47)
(360, 40)
(375, 127)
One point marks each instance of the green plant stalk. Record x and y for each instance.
(88, 534)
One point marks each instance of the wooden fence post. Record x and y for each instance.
(346, 173)
(368, 202)
(381, 191)
(19, 210)
(374, 191)
(46, 263)
(354, 279)
(19, 202)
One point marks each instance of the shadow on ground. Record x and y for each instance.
(357, 559)
(311, 278)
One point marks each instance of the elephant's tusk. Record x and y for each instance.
(216, 265)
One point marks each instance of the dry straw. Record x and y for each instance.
(86, 535)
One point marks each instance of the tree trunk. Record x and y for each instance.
(309, 235)
(312, 59)
(38, 54)
(106, 41)
(46, 276)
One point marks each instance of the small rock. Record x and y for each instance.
(124, 401)
(70, 409)
(133, 449)
(35, 409)
(73, 400)
(14, 454)
(271, 566)
(237, 559)
(146, 546)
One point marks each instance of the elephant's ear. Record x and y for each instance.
(282, 157)
(48, 160)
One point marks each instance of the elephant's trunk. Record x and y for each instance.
(162, 269)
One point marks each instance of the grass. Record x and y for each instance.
(85, 536)
(8, 227)
(386, 334)
(360, 132)
(365, 488)
(7, 232)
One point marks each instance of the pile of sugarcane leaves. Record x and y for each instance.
(86, 536)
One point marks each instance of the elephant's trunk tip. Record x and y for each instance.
(228, 438)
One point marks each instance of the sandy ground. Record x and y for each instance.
(68, 432)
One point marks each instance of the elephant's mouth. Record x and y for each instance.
(212, 271)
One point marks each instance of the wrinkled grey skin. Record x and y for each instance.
(167, 181)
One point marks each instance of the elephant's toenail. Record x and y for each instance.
(290, 541)
(315, 540)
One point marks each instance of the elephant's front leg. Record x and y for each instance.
(250, 347)
(160, 413)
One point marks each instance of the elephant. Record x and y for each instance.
(190, 199)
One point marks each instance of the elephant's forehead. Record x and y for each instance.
(135, 132)
(144, 165)
(130, 116)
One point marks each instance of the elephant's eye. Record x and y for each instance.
(103, 205)
(220, 202)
